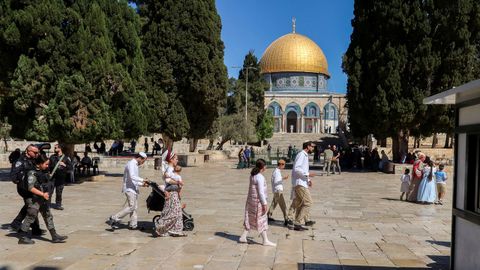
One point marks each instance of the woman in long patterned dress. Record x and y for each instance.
(416, 177)
(171, 219)
(256, 205)
(427, 190)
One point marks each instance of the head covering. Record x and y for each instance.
(142, 154)
(169, 156)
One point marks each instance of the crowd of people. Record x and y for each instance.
(38, 177)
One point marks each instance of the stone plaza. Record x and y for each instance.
(361, 224)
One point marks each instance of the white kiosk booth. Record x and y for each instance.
(465, 246)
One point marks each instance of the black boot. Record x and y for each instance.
(25, 239)
(36, 231)
(56, 238)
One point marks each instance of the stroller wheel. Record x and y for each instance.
(155, 218)
(188, 226)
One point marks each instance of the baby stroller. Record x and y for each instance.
(156, 202)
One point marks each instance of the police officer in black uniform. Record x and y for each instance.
(24, 164)
(37, 183)
(60, 175)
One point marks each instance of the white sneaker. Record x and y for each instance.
(269, 244)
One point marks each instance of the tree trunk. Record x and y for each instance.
(69, 148)
(448, 140)
(400, 145)
(434, 140)
(416, 142)
(220, 146)
(168, 142)
(193, 145)
(6, 144)
(210, 144)
(383, 143)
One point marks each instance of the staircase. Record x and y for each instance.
(283, 140)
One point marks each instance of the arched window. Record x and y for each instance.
(311, 110)
(293, 107)
(330, 112)
(275, 109)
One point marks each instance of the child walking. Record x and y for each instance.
(256, 205)
(277, 187)
(405, 187)
(441, 178)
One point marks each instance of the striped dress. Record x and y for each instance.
(254, 219)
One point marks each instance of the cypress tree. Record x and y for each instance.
(182, 43)
(389, 64)
(73, 71)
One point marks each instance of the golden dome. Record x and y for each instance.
(294, 53)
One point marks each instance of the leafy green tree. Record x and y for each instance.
(265, 129)
(184, 55)
(401, 52)
(73, 70)
(226, 128)
(256, 88)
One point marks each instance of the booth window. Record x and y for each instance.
(472, 202)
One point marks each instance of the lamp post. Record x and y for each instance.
(246, 89)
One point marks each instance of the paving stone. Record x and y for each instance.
(360, 223)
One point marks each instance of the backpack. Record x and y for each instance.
(18, 171)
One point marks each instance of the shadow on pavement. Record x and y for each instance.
(143, 226)
(34, 268)
(440, 243)
(113, 174)
(440, 263)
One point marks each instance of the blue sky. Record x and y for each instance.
(254, 24)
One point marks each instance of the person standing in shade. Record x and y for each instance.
(327, 159)
(60, 174)
(277, 187)
(256, 205)
(131, 182)
(336, 160)
(303, 201)
(133, 145)
(247, 153)
(146, 145)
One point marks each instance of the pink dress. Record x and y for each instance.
(253, 207)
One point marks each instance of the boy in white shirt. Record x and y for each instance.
(277, 186)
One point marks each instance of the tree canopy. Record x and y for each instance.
(72, 70)
(184, 59)
(402, 51)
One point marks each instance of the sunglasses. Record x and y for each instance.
(281, 163)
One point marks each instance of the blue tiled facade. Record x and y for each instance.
(297, 82)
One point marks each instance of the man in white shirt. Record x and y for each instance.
(302, 200)
(131, 182)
